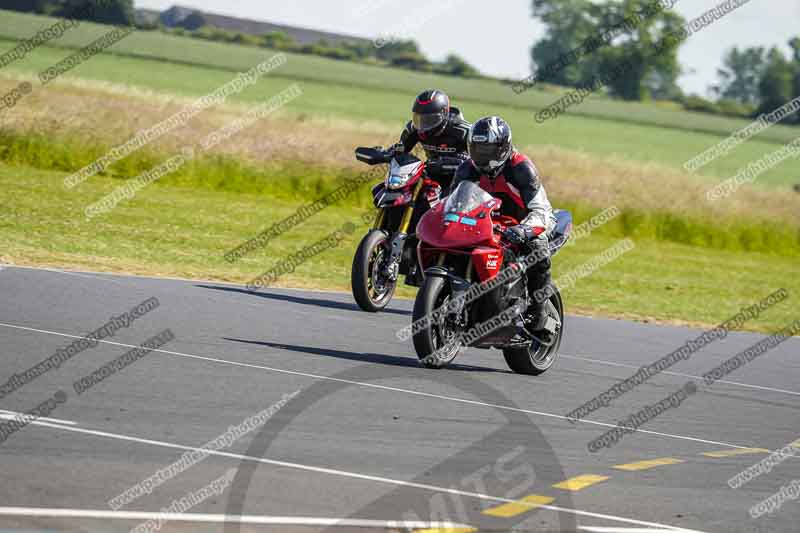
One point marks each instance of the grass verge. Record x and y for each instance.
(176, 50)
(285, 179)
(170, 230)
(643, 132)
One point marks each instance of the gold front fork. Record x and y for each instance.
(406, 222)
(379, 218)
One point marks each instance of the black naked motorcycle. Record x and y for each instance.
(388, 250)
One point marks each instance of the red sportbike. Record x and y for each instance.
(475, 289)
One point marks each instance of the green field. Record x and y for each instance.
(296, 181)
(638, 132)
(694, 262)
(177, 231)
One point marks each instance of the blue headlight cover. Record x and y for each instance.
(397, 181)
(455, 217)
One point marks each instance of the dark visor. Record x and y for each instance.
(428, 121)
(482, 154)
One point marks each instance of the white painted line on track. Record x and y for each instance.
(40, 512)
(680, 374)
(355, 475)
(99, 275)
(128, 277)
(625, 529)
(103, 275)
(79, 274)
(387, 388)
(10, 415)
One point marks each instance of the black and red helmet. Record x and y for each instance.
(489, 144)
(430, 112)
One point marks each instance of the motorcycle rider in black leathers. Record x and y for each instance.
(440, 129)
(504, 173)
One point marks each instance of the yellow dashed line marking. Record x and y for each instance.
(528, 503)
(447, 530)
(730, 453)
(580, 482)
(646, 465)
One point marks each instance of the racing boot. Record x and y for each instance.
(542, 326)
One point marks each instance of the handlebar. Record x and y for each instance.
(504, 233)
(499, 228)
(449, 164)
(374, 156)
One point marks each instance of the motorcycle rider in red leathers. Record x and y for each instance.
(507, 174)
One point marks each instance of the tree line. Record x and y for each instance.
(761, 78)
(751, 80)
(119, 12)
(402, 53)
(392, 52)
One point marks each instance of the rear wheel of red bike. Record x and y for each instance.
(536, 358)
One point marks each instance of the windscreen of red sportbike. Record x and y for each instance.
(462, 221)
(467, 197)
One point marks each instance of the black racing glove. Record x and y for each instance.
(519, 234)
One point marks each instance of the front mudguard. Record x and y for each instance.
(442, 272)
(458, 285)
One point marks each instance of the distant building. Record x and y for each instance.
(147, 17)
(176, 15)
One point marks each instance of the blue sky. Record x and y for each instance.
(496, 36)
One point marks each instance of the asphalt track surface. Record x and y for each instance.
(371, 438)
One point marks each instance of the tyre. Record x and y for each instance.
(371, 290)
(537, 358)
(439, 342)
